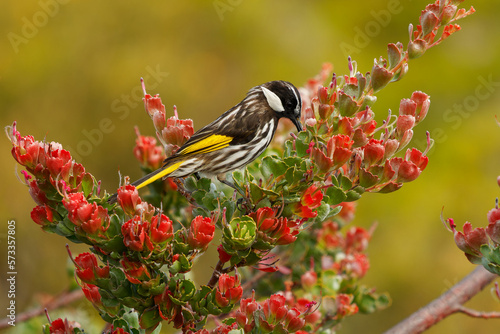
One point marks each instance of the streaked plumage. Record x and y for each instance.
(234, 139)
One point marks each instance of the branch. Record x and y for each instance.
(62, 299)
(448, 303)
(478, 314)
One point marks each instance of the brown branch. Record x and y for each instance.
(448, 303)
(62, 299)
(478, 314)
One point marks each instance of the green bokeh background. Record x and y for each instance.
(78, 72)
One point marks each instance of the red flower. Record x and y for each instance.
(38, 195)
(405, 123)
(312, 197)
(89, 217)
(470, 240)
(177, 131)
(410, 168)
(42, 215)
(92, 293)
(26, 150)
(229, 290)
(348, 210)
(88, 270)
(59, 162)
(244, 315)
(293, 320)
(118, 330)
(135, 271)
(493, 229)
(155, 109)
(201, 232)
(60, 326)
(223, 256)
(147, 152)
(264, 218)
(373, 152)
(274, 230)
(128, 198)
(305, 306)
(345, 306)
(79, 209)
(275, 308)
(330, 237)
(356, 239)
(135, 234)
(160, 230)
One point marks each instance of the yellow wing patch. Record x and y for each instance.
(159, 175)
(209, 144)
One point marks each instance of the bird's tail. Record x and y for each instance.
(151, 177)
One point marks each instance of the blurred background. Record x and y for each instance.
(69, 72)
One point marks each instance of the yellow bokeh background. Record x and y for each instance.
(70, 69)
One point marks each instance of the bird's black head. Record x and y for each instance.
(284, 99)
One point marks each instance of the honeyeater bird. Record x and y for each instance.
(234, 139)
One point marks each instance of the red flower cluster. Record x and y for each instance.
(47, 162)
(229, 290)
(432, 18)
(349, 258)
(91, 218)
(273, 230)
(311, 199)
(88, 270)
(141, 235)
(147, 152)
(172, 132)
(273, 315)
(471, 239)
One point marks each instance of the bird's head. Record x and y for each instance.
(284, 99)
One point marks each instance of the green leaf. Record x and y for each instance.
(272, 165)
(345, 182)
(190, 184)
(87, 184)
(323, 211)
(355, 194)
(346, 105)
(335, 195)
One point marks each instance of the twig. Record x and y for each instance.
(479, 314)
(63, 299)
(448, 303)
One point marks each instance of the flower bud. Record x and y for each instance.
(373, 152)
(404, 123)
(380, 77)
(161, 229)
(428, 21)
(416, 48)
(128, 198)
(201, 232)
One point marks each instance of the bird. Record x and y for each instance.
(235, 138)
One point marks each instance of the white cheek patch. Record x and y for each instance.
(273, 100)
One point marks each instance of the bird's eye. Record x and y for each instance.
(290, 104)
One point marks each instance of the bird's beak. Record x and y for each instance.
(296, 122)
